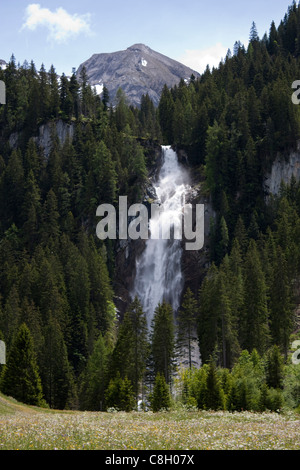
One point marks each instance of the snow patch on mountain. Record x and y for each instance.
(99, 88)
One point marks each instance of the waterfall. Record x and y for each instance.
(158, 270)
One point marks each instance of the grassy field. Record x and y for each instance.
(29, 428)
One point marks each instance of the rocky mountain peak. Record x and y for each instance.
(139, 48)
(138, 70)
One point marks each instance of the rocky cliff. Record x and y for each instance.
(138, 70)
(283, 168)
(61, 129)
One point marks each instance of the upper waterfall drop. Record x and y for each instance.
(158, 270)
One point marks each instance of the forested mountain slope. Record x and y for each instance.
(57, 278)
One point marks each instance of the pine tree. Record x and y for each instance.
(160, 398)
(131, 350)
(54, 367)
(253, 33)
(31, 210)
(274, 368)
(228, 322)
(44, 97)
(93, 381)
(119, 394)
(66, 99)
(30, 315)
(208, 314)
(273, 45)
(13, 188)
(21, 378)
(105, 98)
(122, 114)
(187, 327)
(280, 303)
(213, 395)
(163, 341)
(54, 93)
(255, 324)
(11, 315)
(165, 112)
(216, 157)
(101, 292)
(50, 229)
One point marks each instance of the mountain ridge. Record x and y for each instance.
(138, 70)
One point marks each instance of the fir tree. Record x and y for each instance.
(94, 378)
(187, 327)
(55, 370)
(131, 350)
(163, 341)
(274, 368)
(255, 324)
(119, 394)
(21, 377)
(160, 398)
(213, 395)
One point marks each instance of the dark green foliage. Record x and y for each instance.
(163, 341)
(160, 398)
(187, 326)
(119, 394)
(57, 277)
(242, 388)
(56, 374)
(274, 368)
(255, 328)
(93, 381)
(20, 377)
(132, 349)
(55, 274)
(213, 399)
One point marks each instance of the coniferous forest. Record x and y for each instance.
(66, 347)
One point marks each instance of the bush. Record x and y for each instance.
(275, 400)
(160, 399)
(119, 394)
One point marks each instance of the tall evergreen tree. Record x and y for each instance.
(93, 381)
(160, 398)
(21, 377)
(255, 323)
(132, 348)
(55, 369)
(163, 340)
(187, 327)
(213, 396)
(280, 303)
(274, 368)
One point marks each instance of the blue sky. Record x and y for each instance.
(66, 33)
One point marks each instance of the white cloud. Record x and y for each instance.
(60, 24)
(198, 59)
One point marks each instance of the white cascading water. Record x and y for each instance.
(158, 270)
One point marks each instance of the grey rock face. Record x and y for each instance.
(138, 70)
(61, 129)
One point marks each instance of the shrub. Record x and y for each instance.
(160, 399)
